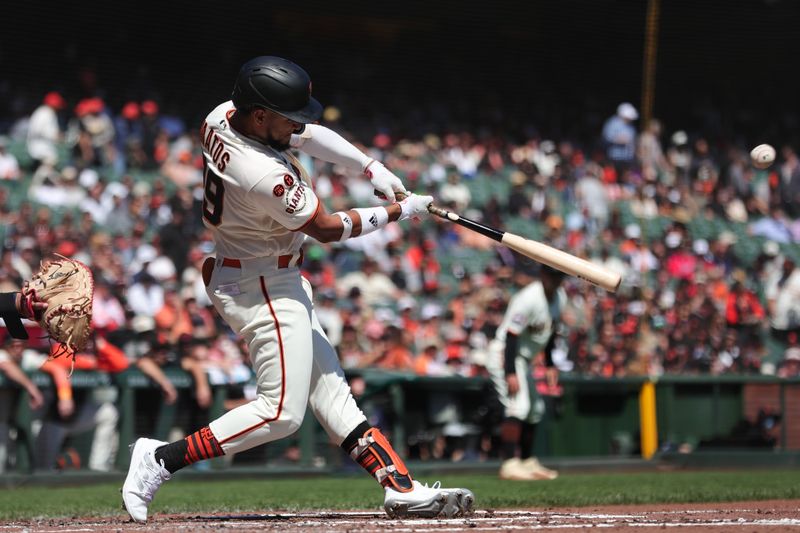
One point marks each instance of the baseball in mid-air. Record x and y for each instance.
(762, 156)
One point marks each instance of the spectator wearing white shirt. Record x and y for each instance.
(9, 166)
(783, 300)
(145, 296)
(455, 192)
(96, 204)
(44, 131)
(376, 287)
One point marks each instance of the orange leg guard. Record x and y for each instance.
(376, 455)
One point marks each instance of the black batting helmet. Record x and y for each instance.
(279, 85)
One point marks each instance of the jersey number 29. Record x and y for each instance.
(214, 195)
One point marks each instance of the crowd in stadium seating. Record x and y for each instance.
(707, 246)
(705, 242)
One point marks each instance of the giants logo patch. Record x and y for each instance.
(278, 190)
(288, 179)
(295, 201)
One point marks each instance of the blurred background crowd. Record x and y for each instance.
(100, 161)
(707, 244)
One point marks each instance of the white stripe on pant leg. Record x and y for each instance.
(330, 397)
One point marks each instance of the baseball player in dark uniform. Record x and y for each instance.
(260, 206)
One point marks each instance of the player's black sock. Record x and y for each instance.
(352, 438)
(196, 447)
(509, 437)
(172, 455)
(527, 436)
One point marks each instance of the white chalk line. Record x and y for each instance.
(480, 521)
(492, 524)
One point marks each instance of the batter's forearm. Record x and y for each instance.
(325, 144)
(342, 225)
(369, 218)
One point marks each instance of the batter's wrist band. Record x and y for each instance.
(372, 218)
(366, 168)
(347, 222)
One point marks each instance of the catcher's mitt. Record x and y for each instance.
(67, 287)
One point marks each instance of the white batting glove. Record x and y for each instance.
(414, 205)
(384, 181)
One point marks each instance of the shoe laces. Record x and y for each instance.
(151, 477)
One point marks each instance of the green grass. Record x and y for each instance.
(262, 495)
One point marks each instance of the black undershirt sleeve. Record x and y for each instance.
(548, 350)
(11, 316)
(512, 345)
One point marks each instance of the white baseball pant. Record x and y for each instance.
(294, 362)
(516, 405)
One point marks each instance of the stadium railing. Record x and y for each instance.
(594, 417)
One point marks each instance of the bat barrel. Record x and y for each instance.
(560, 260)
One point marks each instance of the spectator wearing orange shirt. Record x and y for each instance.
(428, 362)
(172, 319)
(743, 311)
(391, 352)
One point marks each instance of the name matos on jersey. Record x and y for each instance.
(213, 144)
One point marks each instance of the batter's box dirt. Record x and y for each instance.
(744, 517)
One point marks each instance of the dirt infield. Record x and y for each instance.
(745, 517)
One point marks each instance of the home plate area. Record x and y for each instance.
(747, 517)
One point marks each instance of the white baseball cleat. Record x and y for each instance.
(537, 470)
(145, 476)
(513, 470)
(428, 502)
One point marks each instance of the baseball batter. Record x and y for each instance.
(527, 328)
(260, 205)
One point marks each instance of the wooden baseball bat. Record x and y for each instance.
(538, 251)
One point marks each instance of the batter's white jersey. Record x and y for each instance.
(256, 200)
(255, 197)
